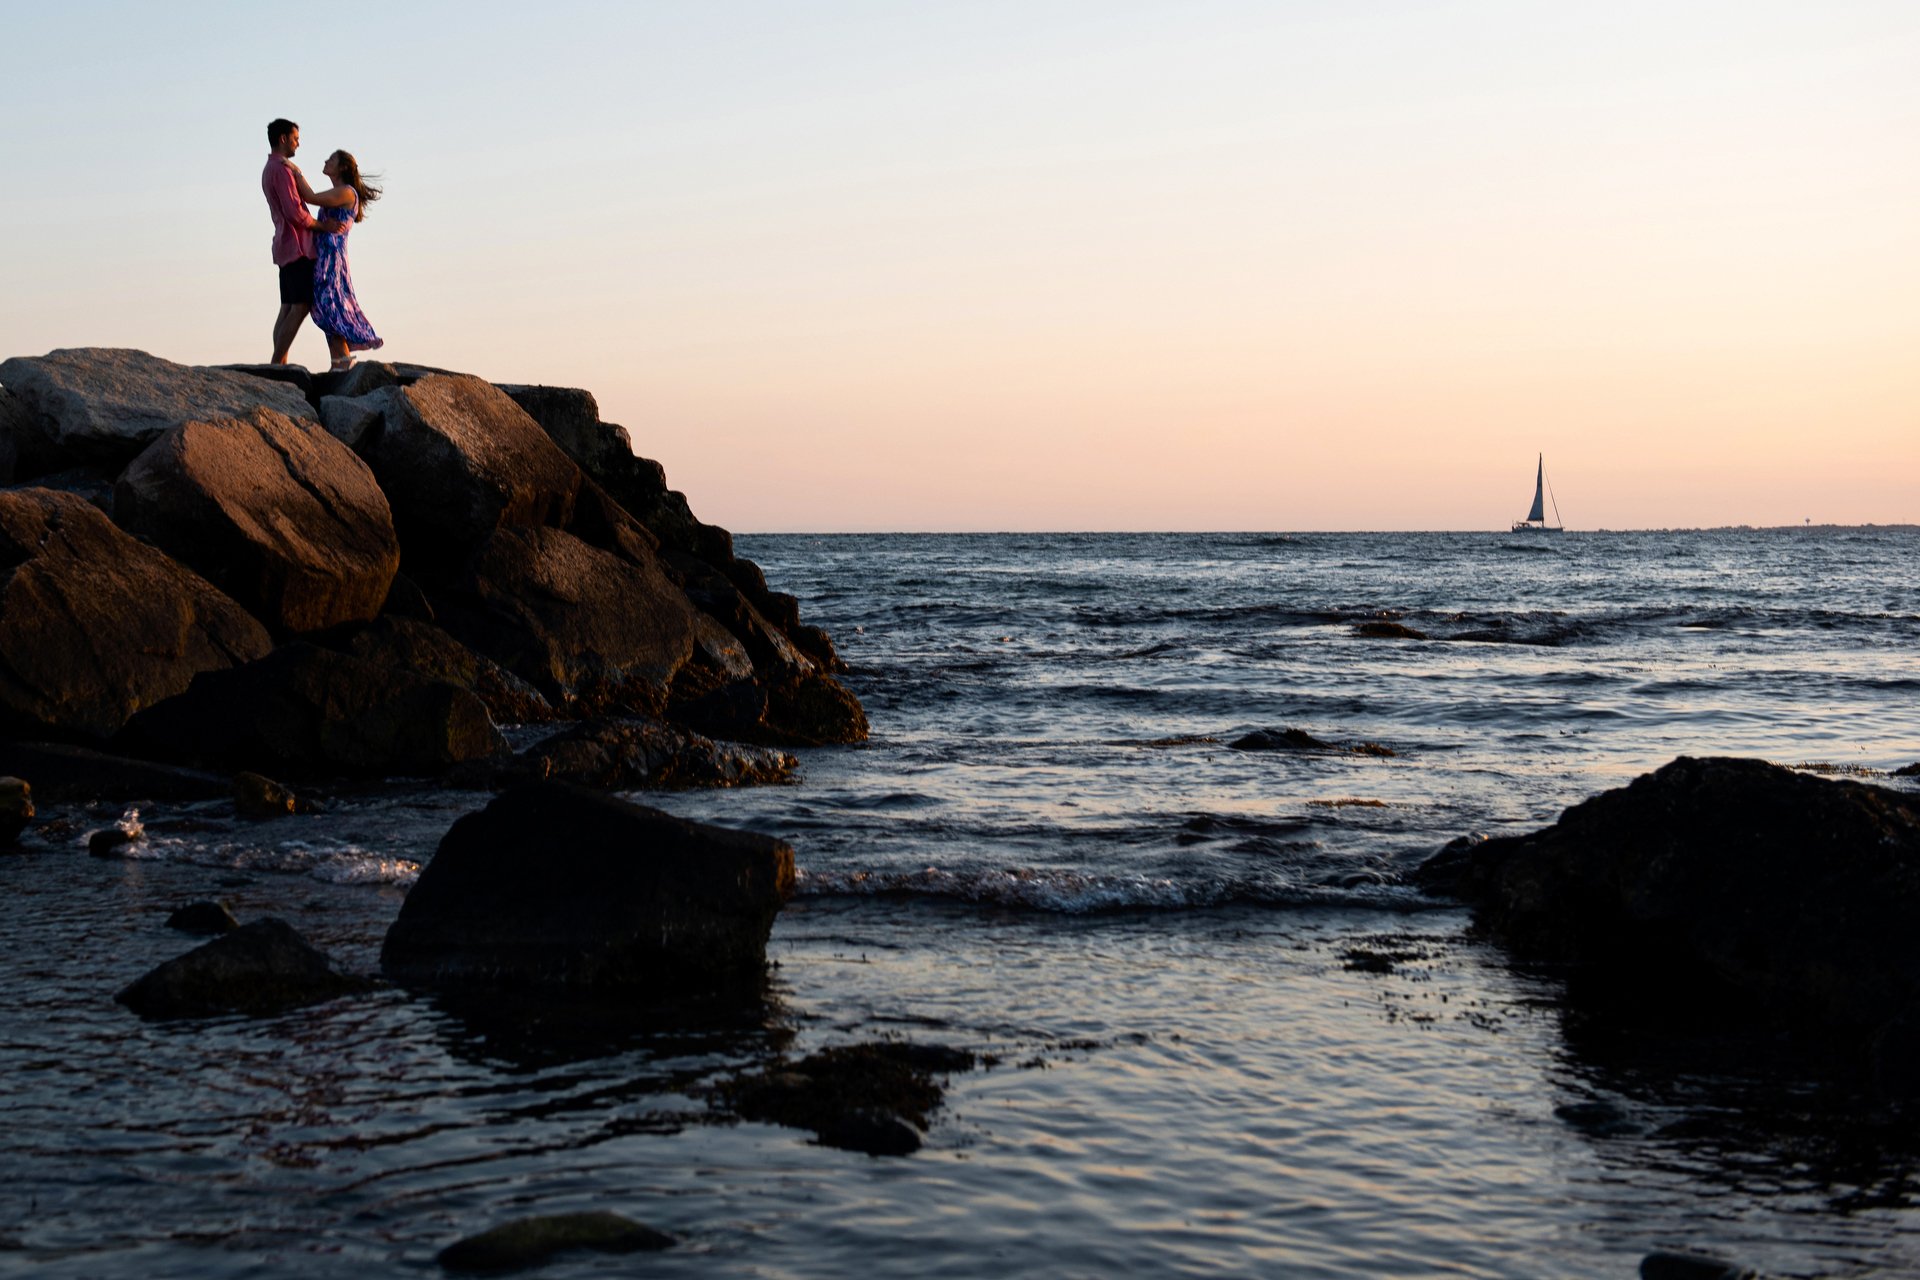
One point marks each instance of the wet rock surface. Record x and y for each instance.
(1715, 891)
(556, 886)
(876, 1098)
(261, 968)
(528, 1242)
(1388, 631)
(1301, 740)
(258, 796)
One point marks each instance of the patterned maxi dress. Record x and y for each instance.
(335, 309)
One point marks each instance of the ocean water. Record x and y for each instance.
(1051, 854)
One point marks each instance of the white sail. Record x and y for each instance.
(1539, 481)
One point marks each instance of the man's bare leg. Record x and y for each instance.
(287, 328)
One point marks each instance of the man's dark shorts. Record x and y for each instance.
(296, 283)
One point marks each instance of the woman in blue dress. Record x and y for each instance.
(335, 309)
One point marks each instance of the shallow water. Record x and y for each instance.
(1048, 854)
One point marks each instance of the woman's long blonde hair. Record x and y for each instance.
(350, 174)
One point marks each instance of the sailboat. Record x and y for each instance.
(1536, 521)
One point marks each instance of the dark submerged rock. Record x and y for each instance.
(875, 1098)
(556, 886)
(207, 918)
(1664, 1265)
(310, 710)
(1388, 631)
(1714, 887)
(112, 842)
(1301, 740)
(260, 968)
(528, 1242)
(273, 511)
(95, 625)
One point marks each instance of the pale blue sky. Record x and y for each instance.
(1054, 265)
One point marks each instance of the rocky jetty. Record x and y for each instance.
(255, 568)
(553, 886)
(1721, 890)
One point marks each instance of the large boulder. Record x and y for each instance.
(102, 405)
(261, 968)
(308, 710)
(273, 511)
(589, 629)
(458, 460)
(95, 625)
(556, 886)
(1715, 886)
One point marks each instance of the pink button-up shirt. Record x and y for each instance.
(292, 224)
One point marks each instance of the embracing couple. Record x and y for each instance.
(312, 253)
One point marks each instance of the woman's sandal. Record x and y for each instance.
(341, 366)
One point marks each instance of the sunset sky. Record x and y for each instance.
(1105, 265)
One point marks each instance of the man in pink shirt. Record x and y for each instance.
(293, 232)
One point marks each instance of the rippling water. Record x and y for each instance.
(1049, 853)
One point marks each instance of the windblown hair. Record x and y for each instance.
(279, 129)
(350, 174)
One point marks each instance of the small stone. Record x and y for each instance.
(16, 808)
(257, 796)
(203, 918)
(109, 843)
(527, 1242)
(261, 968)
